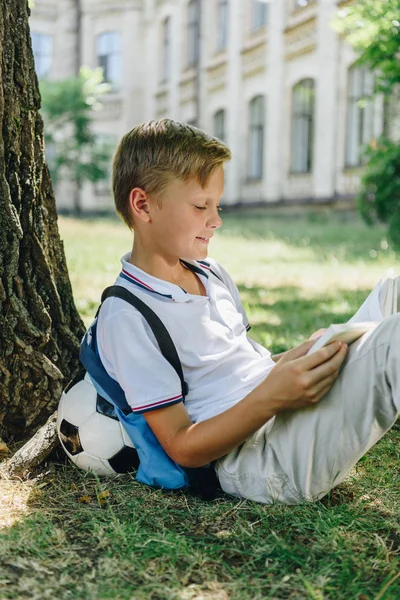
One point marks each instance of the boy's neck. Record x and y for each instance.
(165, 268)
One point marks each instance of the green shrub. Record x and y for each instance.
(379, 196)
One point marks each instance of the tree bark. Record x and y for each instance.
(34, 452)
(40, 328)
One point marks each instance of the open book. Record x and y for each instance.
(383, 301)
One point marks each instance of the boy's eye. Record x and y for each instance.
(219, 208)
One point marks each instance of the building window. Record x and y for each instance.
(219, 125)
(109, 57)
(390, 121)
(166, 50)
(103, 147)
(193, 33)
(222, 25)
(256, 138)
(360, 113)
(259, 15)
(42, 47)
(303, 126)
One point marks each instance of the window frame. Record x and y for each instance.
(256, 129)
(41, 57)
(303, 127)
(219, 124)
(222, 25)
(104, 186)
(259, 14)
(193, 33)
(359, 118)
(166, 49)
(105, 58)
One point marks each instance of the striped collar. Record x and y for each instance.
(170, 291)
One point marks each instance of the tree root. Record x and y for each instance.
(34, 452)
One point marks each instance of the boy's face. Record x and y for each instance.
(187, 217)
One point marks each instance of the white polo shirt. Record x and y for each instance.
(220, 363)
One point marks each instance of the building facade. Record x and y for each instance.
(269, 77)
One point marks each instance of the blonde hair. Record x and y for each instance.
(153, 154)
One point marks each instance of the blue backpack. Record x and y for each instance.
(155, 468)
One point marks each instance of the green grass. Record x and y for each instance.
(295, 275)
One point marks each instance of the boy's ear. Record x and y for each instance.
(139, 204)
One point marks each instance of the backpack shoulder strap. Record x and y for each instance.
(161, 334)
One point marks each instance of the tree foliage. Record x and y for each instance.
(73, 151)
(372, 27)
(379, 197)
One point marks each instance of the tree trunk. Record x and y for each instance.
(77, 197)
(40, 327)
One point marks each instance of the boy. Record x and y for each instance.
(280, 429)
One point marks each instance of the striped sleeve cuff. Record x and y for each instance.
(156, 405)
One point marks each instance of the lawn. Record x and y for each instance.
(60, 538)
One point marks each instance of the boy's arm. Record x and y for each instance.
(295, 382)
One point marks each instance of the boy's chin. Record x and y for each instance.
(196, 255)
(201, 255)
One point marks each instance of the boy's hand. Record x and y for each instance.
(298, 380)
(317, 334)
(314, 337)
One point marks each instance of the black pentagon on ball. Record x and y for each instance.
(70, 439)
(125, 460)
(104, 407)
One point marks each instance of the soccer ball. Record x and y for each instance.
(91, 434)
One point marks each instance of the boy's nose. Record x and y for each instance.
(215, 221)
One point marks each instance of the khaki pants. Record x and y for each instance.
(301, 455)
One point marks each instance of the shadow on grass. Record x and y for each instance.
(146, 544)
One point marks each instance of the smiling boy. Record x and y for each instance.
(284, 428)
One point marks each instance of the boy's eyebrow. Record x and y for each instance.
(206, 198)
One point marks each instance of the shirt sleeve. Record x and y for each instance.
(233, 289)
(130, 354)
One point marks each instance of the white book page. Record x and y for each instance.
(382, 301)
(370, 309)
(344, 332)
